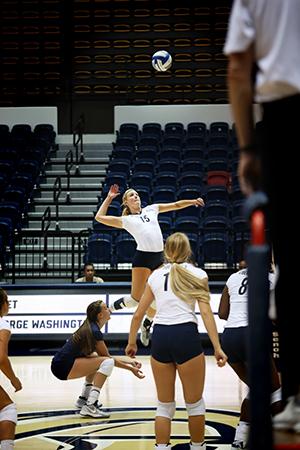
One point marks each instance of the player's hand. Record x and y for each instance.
(249, 173)
(131, 350)
(136, 363)
(16, 384)
(113, 191)
(199, 202)
(137, 372)
(221, 357)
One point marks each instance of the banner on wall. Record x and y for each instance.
(64, 313)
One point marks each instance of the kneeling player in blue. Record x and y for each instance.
(85, 354)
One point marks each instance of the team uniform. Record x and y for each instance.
(234, 334)
(175, 335)
(9, 412)
(145, 229)
(63, 360)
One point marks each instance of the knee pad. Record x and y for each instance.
(130, 302)
(166, 410)
(9, 413)
(276, 396)
(106, 367)
(196, 409)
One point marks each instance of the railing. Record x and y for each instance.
(44, 254)
(56, 193)
(68, 167)
(78, 142)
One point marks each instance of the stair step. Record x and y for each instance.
(74, 226)
(87, 186)
(48, 201)
(83, 173)
(64, 209)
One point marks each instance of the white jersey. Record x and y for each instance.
(145, 229)
(237, 285)
(4, 325)
(274, 27)
(170, 309)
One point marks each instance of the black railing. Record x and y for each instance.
(68, 167)
(56, 193)
(78, 142)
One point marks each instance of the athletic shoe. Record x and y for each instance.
(238, 444)
(81, 401)
(93, 411)
(289, 418)
(145, 332)
(118, 304)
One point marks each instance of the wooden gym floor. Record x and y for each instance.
(48, 420)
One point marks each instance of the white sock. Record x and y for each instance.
(198, 445)
(161, 446)
(94, 395)
(242, 431)
(130, 302)
(86, 389)
(8, 444)
(123, 302)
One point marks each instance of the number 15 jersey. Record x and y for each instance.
(145, 229)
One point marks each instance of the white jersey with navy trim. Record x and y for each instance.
(4, 325)
(260, 21)
(145, 229)
(237, 285)
(170, 309)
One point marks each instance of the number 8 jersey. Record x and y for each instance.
(237, 285)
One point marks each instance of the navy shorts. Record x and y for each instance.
(61, 369)
(150, 260)
(176, 343)
(234, 344)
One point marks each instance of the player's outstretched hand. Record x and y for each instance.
(199, 201)
(113, 191)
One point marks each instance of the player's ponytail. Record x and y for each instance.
(183, 283)
(84, 336)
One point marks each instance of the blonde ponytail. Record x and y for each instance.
(187, 286)
(183, 283)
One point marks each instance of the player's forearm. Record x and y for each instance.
(210, 325)
(134, 327)
(6, 368)
(102, 211)
(180, 204)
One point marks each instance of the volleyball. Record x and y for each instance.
(161, 60)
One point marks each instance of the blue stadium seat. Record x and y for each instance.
(125, 247)
(130, 130)
(215, 248)
(99, 248)
(187, 224)
(119, 166)
(152, 129)
(217, 208)
(164, 194)
(166, 179)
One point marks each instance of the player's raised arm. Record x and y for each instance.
(101, 216)
(180, 204)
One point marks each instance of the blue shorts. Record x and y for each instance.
(234, 344)
(61, 369)
(176, 343)
(150, 260)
